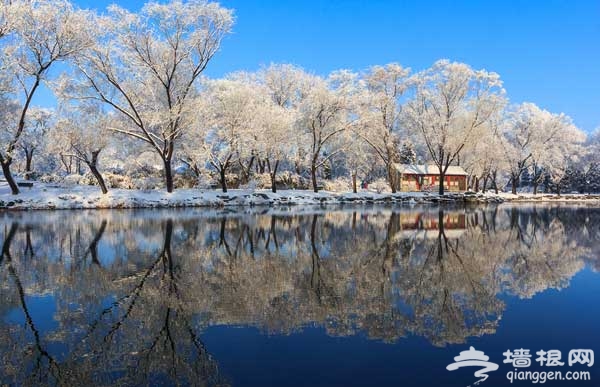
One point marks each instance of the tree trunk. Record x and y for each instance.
(260, 166)
(168, 174)
(485, 182)
(313, 175)
(20, 127)
(98, 177)
(391, 179)
(273, 183)
(272, 174)
(442, 177)
(494, 180)
(194, 167)
(354, 182)
(8, 176)
(514, 181)
(28, 163)
(223, 180)
(67, 166)
(476, 183)
(535, 188)
(246, 170)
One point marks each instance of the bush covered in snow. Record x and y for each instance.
(50, 178)
(340, 184)
(118, 181)
(148, 183)
(186, 179)
(142, 171)
(73, 179)
(380, 185)
(290, 180)
(258, 181)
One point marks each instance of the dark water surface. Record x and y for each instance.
(376, 296)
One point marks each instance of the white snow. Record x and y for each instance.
(49, 196)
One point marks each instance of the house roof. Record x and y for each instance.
(415, 169)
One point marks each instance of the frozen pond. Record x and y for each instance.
(375, 296)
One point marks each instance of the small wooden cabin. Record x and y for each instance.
(412, 177)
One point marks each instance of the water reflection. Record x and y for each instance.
(104, 298)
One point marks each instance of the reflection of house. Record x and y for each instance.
(424, 225)
(427, 177)
(430, 221)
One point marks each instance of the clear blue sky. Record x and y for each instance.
(546, 51)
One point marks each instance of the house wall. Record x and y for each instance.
(412, 183)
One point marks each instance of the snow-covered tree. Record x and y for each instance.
(322, 116)
(226, 125)
(7, 21)
(407, 153)
(590, 164)
(450, 108)
(41, 33)
(34, 137)
(591, 178)
(380, 111)
(519, 135)
(287, 85)
(537, 140)
(5, 17)
(273, 136)
(563, 155)
(359, 157)
(146, 66)
(484, 160)
(493, 164)
(83, 133)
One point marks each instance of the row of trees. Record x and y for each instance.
(136, 78)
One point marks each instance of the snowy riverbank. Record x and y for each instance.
(89, 197)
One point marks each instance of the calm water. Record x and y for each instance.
(305, 297)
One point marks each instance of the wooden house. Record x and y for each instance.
(412, 177)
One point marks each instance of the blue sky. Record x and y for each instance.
(546, 51)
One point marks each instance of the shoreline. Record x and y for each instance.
(88, 197)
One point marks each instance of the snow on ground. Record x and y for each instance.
(544, 197)
(51, 196)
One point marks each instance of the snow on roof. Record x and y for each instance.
(414, 169)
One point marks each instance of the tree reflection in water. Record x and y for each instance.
(133, 291)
